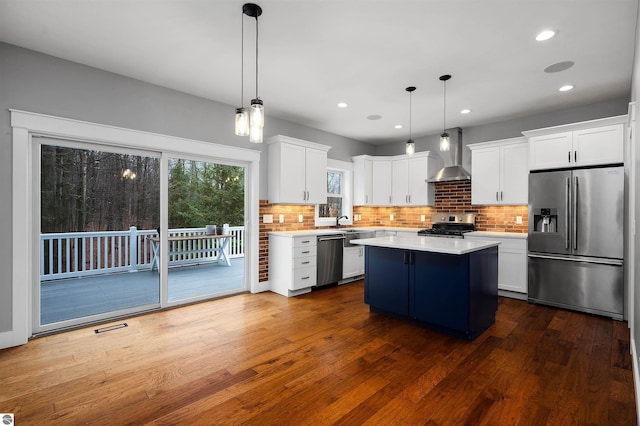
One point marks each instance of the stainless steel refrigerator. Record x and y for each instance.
(576, 239)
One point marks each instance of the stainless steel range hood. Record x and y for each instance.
(452, 169)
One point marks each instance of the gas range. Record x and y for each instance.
(450, 225)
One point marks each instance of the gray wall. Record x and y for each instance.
(513, 128)
(40, 83)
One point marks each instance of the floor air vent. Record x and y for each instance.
(111, 327)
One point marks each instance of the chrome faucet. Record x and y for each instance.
(338, 220)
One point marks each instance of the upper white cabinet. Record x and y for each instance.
(587, 143)
(362, 180)
(297, 172)
(500, 171)
(381, 178)
(395, 180)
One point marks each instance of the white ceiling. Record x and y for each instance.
(314, 54)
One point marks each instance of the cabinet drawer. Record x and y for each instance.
(305, 251)
(304, 277)
(304, 241)
(304, 262)
(512, 244)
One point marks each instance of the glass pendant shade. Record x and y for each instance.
(255, 134)
(410, 147)
(242, 121)
(444, 142)
(256, 112)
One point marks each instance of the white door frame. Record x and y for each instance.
(24, 248)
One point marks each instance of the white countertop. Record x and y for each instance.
(491, 234)
(328, 231)
(430, 244)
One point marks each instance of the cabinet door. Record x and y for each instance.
(386, 280)
(485, 169)
(418, 187)
(602, 145)
(514, 176)
(512, 270)
(400, 182)
(292, 174)
(362, 182)
(381, 172)
(351, 262)
(551, 151)
(439, 289)
(316, 176)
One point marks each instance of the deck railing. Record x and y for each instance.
(77, 254)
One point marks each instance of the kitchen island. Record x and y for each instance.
(446, 284)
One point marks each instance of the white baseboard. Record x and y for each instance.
(636, 377)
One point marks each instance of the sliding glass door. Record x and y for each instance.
(99, 213)
(205, 233)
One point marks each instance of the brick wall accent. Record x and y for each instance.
(450, 197)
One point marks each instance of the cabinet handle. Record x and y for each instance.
(389, 199)
(497, 199)
(304, 278)
(575, 156)
(304, 263)
(305, 252)
(569, 157)
(501, 198)
(305, 241)
(366, 199)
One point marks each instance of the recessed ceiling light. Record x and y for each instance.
(398, 126)
(546, 35)
(342, 105)
(374, 117)
(465, 111)
(559, 66)
(566, 88)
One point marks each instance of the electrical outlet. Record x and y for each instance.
(422, 218)
(300, 218)
(267, 218)
(281, 218)
(391, 217)
(519, 220)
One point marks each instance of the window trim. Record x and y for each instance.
(346, 168)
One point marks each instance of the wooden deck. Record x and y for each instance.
(80, 297)
(323, 359)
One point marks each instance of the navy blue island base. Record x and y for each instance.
(456, 294)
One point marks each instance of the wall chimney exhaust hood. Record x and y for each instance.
(452, 169)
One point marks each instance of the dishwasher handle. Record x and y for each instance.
(330, 238)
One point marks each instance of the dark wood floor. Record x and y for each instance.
(320, 359)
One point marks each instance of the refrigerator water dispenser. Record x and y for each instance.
(545, 220)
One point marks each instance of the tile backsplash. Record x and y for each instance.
(450, 197)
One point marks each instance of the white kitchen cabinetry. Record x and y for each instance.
(587, 143)
(512, 262)
(362, 180)
(409, 175)
(292, 264)
(395, 180)
(352, 262)
(297, 172)
(381, 174)
(500, 172)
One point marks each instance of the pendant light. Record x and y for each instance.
(242, 113)
(256, 110)
(410, 147)
(444, 137)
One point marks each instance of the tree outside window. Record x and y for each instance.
(333, 206)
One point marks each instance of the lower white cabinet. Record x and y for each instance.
(512, 262)
(292, 264)
(352, 262)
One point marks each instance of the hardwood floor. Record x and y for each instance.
(320, 359)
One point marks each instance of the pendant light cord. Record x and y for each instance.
(256, 57)
(444, 109)
(410, 93)
(242, 60)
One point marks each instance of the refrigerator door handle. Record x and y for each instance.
(599, 261)
(567, 212)
(575, 215)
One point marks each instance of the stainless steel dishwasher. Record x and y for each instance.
(329, 259)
